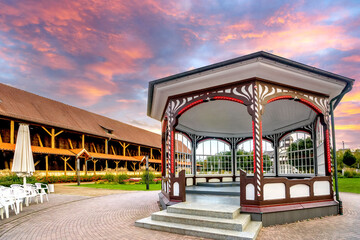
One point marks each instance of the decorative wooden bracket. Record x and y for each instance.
(52, 135)
(124, 145)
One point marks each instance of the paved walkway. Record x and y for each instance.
(112, 217)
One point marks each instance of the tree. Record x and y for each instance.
(349, 159)
(357, 155)
(339, 158)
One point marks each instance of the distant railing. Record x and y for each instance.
(173, 188)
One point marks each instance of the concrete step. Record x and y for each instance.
(250, 232)
(219, 184)
(206, 210)
(237, 224)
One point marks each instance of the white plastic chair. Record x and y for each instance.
(1, 210)
(41, 191)
(7, 200)
(20, 196)
(43, 187)
(31, 193)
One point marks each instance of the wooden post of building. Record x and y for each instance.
(65, 159)
(52, 138)
(151, 153)
(83, 141)
(94, 161)
(139, 151)
(78, 170)
(12, 132)
(47, 165)
(117, 164)
(86, 166)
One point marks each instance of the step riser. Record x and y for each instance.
(218, 184)
(200, 223)
(213, 193)
(191, 232)
(197, 212)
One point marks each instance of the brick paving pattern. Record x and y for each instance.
(346, 226)
(113, 217)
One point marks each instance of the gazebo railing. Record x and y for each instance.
(282, 190)
(176, 186)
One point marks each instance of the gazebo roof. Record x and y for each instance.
(260, 65)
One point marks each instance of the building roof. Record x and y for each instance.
(75, 152)
(26, 106)
(262, 65)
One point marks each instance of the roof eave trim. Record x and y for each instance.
(240, 59)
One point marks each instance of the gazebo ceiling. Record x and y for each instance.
(260, 65)
(229, 119)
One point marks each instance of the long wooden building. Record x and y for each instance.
(59, 133)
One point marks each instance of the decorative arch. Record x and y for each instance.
(214, 159)
(269, 93)
(183, 153)
(245, 158)
(296, 154)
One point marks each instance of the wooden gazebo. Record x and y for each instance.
(259, 119)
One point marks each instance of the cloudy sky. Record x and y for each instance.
(100, 54)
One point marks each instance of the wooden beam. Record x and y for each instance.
(47, 165)
(124, 145)
(134, 167)
(92, 144)
(113, 150)
(65, 159)
(40, 142)
(151, 153)
(59, 133)
(53, 138)
(83, 141)
(94, 161)
(117, 164)
(86, 166)
(139, 151)
(12, 132)
(70, 143)
(0, 138)
(106, 147)
(46, 130)
(70, 166)
(37, 162)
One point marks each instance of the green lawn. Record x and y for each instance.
(349, 185)
(133, 187)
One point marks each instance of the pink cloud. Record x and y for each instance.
(353, 58)
(127, 101)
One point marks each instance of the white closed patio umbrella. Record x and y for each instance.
(23, 163)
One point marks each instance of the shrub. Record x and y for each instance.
(121, 178)
(349, 174)
(110, 177)
(151, 177)
(158, 175)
